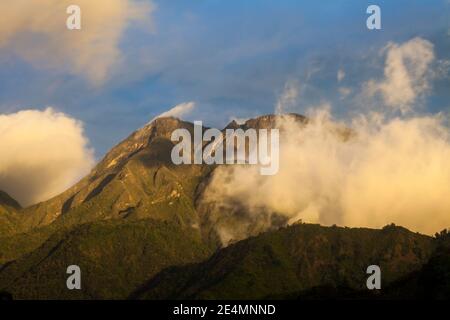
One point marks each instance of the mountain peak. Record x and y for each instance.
(166, 125)
(139, 139)
(232, 125)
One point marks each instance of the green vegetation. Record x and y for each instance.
(115, 258)
(294, 259)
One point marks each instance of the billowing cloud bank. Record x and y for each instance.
(389, 171)
(42, 154)
(382, 169)
(36, 31)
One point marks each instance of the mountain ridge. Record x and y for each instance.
(46, 212)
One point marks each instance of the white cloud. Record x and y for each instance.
(386, 171)
(340, 75)
(178, 111)
(42, 154)
(238, 120)
(36, 31)
(406, 74)
(288, 98)
(344, 92)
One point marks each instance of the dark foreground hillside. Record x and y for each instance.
(431, 282)
(295, 259)
(150, 259)
(115, 258)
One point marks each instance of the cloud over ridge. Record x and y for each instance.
(388, 171)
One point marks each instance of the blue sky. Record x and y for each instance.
(233, 59)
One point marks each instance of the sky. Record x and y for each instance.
(68, 96)
(231, 58)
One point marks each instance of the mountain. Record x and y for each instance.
(139, 226)
(132, 180)
(133, 184)
(135, 180)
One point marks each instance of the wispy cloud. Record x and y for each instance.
(288, 98)
(406, 74)
(340, 75)
(178, 111)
